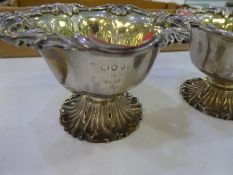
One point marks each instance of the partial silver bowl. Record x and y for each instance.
(98, 54)
(211, 52)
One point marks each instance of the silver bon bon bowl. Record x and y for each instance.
(98, 54)
(212, 53)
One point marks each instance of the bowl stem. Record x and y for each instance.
(99, 120)
(210, 95)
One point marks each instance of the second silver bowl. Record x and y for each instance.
(211, 52)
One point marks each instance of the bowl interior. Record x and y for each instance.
(131, 30)
(219, 21)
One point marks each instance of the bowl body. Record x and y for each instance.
(212, 43)
(96, 73)
(106, 73)
(212, 53)
(102, 50)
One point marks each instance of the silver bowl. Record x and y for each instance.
(98, 54)
(211, 52)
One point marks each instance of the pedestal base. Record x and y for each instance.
(210, 96)
(100, 120)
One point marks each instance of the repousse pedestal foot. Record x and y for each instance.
(210, 96)
(100, 120)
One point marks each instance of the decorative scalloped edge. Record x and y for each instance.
(12, 28)
(195, 20)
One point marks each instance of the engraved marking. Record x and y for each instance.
(123, 67)
(113, 81)
(104, 69)
(114, 67)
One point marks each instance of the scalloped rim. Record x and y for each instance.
(29, 38)
(195, 22)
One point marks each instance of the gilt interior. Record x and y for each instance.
(130, 30)
(219, 21)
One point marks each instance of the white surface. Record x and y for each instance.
(173, 138)
(171, 1)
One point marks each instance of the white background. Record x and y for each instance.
(199, 2)
(173, 138)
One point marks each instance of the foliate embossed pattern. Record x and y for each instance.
(208, 98)
(65, 26)
(213, 19)
(98, 120)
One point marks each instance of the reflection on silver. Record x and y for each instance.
(211, 52)
(98, 54)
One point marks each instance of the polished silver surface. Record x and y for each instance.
(103, 50)
(98, 74)
(211, 52)
(97, 53)
(212, 41)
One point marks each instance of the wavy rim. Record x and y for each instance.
(196, 22)
(38, 38)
